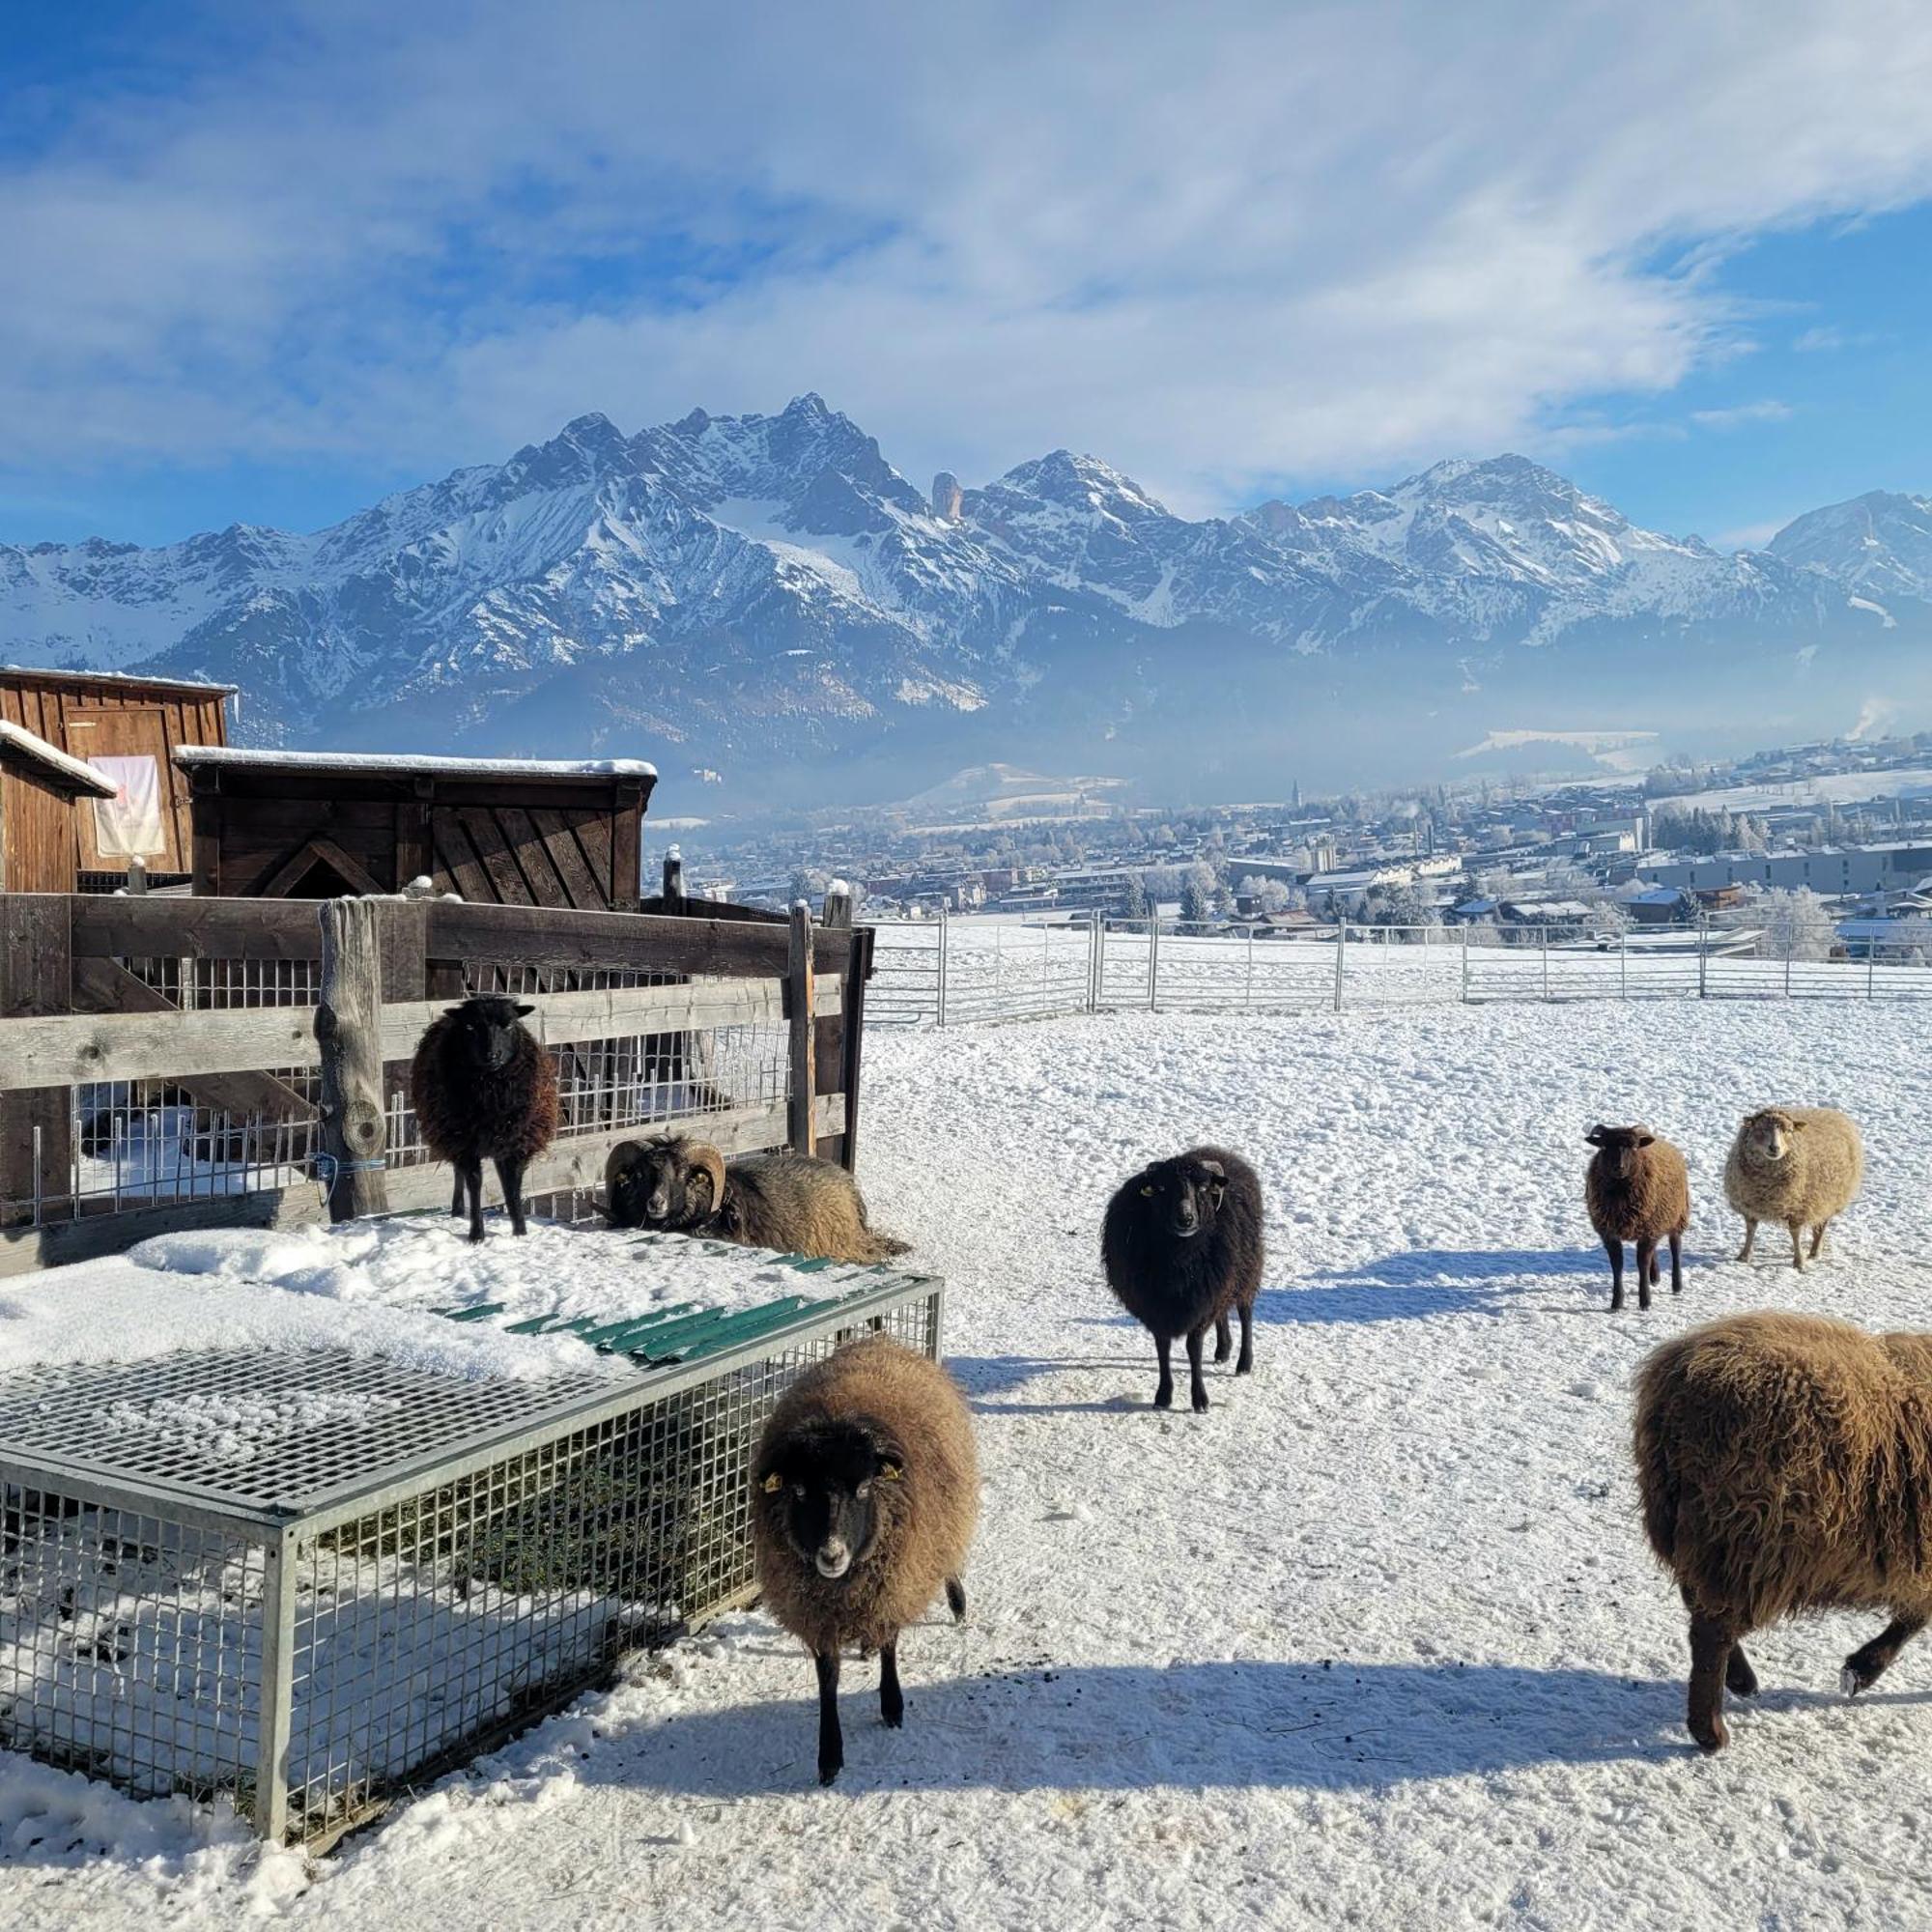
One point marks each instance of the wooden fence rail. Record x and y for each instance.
(97, 991)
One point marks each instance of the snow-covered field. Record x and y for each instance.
(1374, 1641)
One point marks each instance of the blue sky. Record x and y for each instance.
(265, 264)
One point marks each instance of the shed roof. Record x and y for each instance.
(38, 674)
(386, 764)
(69, 772)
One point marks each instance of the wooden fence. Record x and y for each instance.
(211, 1013)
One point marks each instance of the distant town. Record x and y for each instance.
(1830, 842)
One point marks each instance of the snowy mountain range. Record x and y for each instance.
(764, 600)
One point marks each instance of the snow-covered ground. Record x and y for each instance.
(1374, 1641)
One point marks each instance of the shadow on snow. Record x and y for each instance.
(1205, 1725)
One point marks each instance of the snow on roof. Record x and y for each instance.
(42, 675)
(383, 761)
(74, 771)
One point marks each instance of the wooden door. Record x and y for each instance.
(135, 732)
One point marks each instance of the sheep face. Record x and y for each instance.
(1619, 1146)
(1183, 1194)
(825, 1484)
(486, 1030)
(1768, 1137)
(658, 1183)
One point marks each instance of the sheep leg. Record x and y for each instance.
(510, 1177)
(473, 1182)
(1224, 1338)
(1197, 1386)
(1163, 1396)
(1740, 1679)
(1797, 1244)
(831, 1740)
(956, 1599)
(1818, 1239)
(1870, 1662)
(1677, 1262)
(1615, 1251)
(1751, 1235)
(1646, 1268)
(1711, 1646)
(892, 1699)
(456, 1196)
(1244, 1362)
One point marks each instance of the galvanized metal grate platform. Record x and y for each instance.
(307, 1579)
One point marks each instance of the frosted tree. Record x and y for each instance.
(1197, 895)
(1795, 924)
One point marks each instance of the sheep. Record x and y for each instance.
(784, 1201)
(483, 1088)
(1637, 1190)
(1797, 1165)
(865, 1487)
(1181, 1245)
(1785, 1464)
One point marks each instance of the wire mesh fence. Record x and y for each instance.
(304, 1580)
(953, 971)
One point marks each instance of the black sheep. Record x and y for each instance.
(1182, 1245)
(483, 1089)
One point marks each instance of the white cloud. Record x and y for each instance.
(1220, 243)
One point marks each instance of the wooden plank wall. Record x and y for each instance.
(187, 719)
(37, 846)
(532, 845)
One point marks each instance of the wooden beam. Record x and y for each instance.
(858, 969)
(802, 1013)
(37, 1116)
(105, 986)
(25, 1250)
(544, 936)
(75, 1048)
(349, 1028)
(105, 926)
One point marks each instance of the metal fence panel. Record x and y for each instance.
(306, 1579)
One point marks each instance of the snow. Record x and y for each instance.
(76, 771)
(378, 762)
(1374, 1641)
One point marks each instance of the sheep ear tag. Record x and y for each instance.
(772, 1484)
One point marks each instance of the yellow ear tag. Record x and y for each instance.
(773, 1483)
(889, 1472)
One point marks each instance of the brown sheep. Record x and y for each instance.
(1637, 1189)
(789, 1202)
(1785, 1464)
(1799, 1165)
(483, 1089)
(866, 1488)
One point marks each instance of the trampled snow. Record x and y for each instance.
(1375, 1641)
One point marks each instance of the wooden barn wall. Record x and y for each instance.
(521, 849)
(37, 834)
(186, 720)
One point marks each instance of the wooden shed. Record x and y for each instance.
(42, 791)
(132, 726)
(502, 830)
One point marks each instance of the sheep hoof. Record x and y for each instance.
(1163, 1398)
(1712, 1740)
(828, 1772)
(1200, 1402)
(1852, 1682)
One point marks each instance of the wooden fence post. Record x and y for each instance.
(852, 1044)
(674, 880)
(800, 998)
(36, 1125)
(349, 1028)
(838, 898)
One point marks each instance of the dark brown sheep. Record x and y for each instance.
(1181, 1245)
(1785, 1464)
(483, 1089)
(789, 1202)
(866, 1488)
(1637, 1190)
